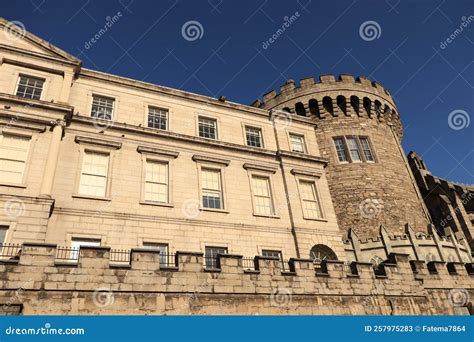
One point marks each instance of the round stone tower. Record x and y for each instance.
(359, 131)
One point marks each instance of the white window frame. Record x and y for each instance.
(259, 128)
(360, 148)
(20, 75)
(153, 244)
(274, 212)
(216, 167)
(208, 117)
(114, 100)
(371, 149)
(208, 190)
(314, 182)
(151, 160)
(75, 248)
(21, 134)
(147, 113)
(303, 142)
(226, 249)
(94, 149)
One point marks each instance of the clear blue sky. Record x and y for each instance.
(429, 81)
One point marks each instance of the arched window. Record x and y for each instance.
(327, 104)
(299, 108)
(313, 107)
(355, 103)
(341, 103)
(286, 109)
(322, 252)
(378, 107)
(367, 105)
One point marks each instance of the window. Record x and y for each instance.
(309, 199)
(253, 136)
(156, 181)
(13, 155)
(102, 107)
(340, 149)
(3, 234)
(354, 149)
(94, 174)
(211, 189)
(364, 141)
(77, 243)
(297, 143)
(30, 87)
(211, 256)
(207, 128)
(157, 118)
(165, 257)
(262, 195)
(322, 252)
(271, 253)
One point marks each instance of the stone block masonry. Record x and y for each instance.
(37, 283)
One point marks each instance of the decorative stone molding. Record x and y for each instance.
(300, 172)
(157, 151)
(213, 160)
(100, 142)
(259, 167)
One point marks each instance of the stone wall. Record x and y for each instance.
(39, 284)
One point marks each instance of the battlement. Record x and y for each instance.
(419, 246)
(396, 286)
(345, 95)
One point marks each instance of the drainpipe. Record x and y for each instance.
(52, 158)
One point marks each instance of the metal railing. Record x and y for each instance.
(120, 256)
(68, 254)
(248, 263)
(168, 260)
(10, 251)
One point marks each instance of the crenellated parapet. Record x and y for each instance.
(419, 246)
(37, 284)
(345, 95)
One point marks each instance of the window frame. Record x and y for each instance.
(279, 252)
(158, 244)
(31, 138)
(203, 190)
(314, 183)
(360, 149)
(303, 142)
(94, 149)
(211, 118)
(148, 106)
(146, 158)
(38, 77)
(109, 97)
(260, 130)
(206, 258)
(274, 212)
(7, 228)
(216, 166)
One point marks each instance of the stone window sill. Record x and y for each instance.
(98, 198)
(224, 211)
(267, 216)
(315, 219)
(157, 204)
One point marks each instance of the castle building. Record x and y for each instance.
(316, 172)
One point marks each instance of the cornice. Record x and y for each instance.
(157, 151)
(259, 167)
(30, 103)
(302, 156)
(100, 142)
(207, 159)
